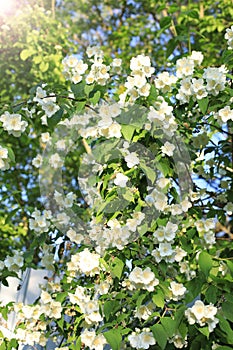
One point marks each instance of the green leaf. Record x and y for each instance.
(170, 47)
(25, 54)
(37, 59)
(3, 346)
(128, 195)
(127, 131)
(160, 335)
(164, 167)
(109, 306)
(11, 154)
(153, 95)
(149, 172)
(194, 286)
(226, 328)
(114, 338)
(210, 294)
(165, 22)
(44, 66)
(55, 119)
(143, 229)
(5, 311)
(117, 267)
(227, 308)
(205, 262)
(88, 89)
(95, 99)
(158, 298)
(169, 325)
(140, 299)
(203, 104)
(61, 296)
(179, 316)
(230, 266)
(205, 331)
(183, 330)
(78, 90)
(135, 116)
(80, 106)
(193, 14)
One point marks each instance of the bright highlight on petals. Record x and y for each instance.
(6, 6)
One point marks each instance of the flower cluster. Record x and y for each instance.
(13, 124)
(139, 220)
(136, 84)
(13, 263)
(229, 37)
(41, 221)
(115, 234)
(33, 333)
(141, 340)
(74, 68)
(89, 307)
(202, 314)
(213, 79)
(164, 81)
(141, 279)
(92, 340)
(84, 262)
(47, 104)
(206, 231)
(161, 116)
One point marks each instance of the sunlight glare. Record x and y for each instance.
(6, 6)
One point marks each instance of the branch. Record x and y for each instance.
(222, 228)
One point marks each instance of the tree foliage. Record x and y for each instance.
(116, 164)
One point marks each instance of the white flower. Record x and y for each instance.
(55, 161)
(229, 37)
(13, 124)
(168, 149)
(165, 249)
(179, 254)
(202, 314)
(37, 161)
(144, 311)
(144, 279)
(45, 137)
(225, 114)
(178, 290)
(74, 237)
(4, 165)
(40, 94)
(113, 130)
(86, 262)
(184, 67)
(121, 180)
(45, 297)
(94, 51)
(141, 340)
(132, 159)
(50, 108)
(197, 57)
(164, 81)
(3, 152)
(63, 218)
(116, 62)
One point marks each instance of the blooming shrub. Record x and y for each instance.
(133, 244)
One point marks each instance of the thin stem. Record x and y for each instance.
(53, 8)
